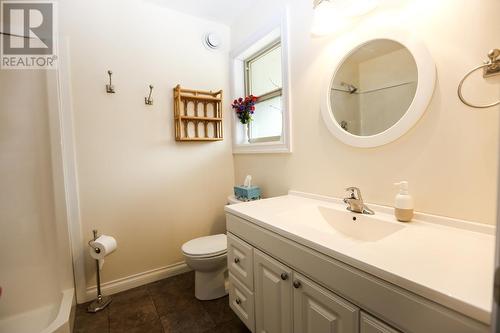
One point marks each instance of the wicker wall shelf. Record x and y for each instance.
(197, 115)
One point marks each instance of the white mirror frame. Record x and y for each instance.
(426, 70)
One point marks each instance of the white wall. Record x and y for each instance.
(449, 157)
(135, 181)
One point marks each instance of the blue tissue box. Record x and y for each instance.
(247, 193)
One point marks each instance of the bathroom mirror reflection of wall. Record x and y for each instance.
(377, 89)
(374, 87)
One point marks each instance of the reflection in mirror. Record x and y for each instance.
(374, 87)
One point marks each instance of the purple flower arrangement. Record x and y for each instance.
(244, 108)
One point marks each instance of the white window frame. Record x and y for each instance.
(276, 30)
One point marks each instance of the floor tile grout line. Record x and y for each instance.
(148, 291)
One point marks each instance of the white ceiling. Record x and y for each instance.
(223, 11)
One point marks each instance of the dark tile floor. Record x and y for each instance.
(167, 306)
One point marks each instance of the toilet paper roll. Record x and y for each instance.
(105, 244)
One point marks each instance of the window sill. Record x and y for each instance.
(269, 139)
(275, 147)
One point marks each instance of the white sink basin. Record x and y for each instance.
(342, 223)
(365, 228)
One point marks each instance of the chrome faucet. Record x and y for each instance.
(355, 202)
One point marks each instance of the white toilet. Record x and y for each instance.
(207, 256)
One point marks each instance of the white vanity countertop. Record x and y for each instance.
(445, 260)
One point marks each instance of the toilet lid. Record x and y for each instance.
(232, 200)
(206, 246)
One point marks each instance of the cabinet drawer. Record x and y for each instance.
(240, 260)
(370, 324)
(241, 301)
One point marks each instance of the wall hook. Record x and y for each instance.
(148, 100)
(110, 89)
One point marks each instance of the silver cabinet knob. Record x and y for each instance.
(296, 284)
(236, 260)
(238, 300)
(284, 276)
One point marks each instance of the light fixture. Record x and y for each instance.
(353, 8)
(331, 15)
(326, 19)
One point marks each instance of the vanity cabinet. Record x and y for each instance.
(280, 286)
(286, 301)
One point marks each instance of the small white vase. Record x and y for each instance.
(247, 132)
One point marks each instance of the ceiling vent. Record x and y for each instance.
(212, 41)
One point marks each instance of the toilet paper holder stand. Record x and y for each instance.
(101, 302)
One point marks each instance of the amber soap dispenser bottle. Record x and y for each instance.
(403, 203)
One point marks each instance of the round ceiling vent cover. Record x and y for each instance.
(212, 41)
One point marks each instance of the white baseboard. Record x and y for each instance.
(135, 280)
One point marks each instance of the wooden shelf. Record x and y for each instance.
(199, 118)
(200, 139)
(200, 98)
(200, 92)
(199, 125)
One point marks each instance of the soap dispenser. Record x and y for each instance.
(403, 205)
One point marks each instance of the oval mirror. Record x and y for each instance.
(378, 91)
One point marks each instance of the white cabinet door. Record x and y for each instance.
(317, 310)
(373, 325)
(273, 295)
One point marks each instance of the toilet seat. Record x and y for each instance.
(205, 247)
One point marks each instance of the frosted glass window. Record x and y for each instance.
(263, 79)
(265, 72)
(268, 120)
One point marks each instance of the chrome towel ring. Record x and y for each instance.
(491, 68)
